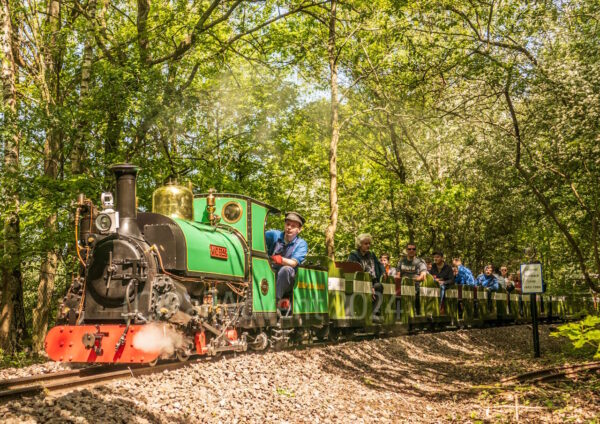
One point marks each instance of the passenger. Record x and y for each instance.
(287, 251)
(390, 271)
(510, 283)
(517, 282)
(510, 287)
(502, 277)
(442, 274)
(462, 275)
(367, 259)
(428, 264)
(414, 268)
(488, 281)
(370, 264)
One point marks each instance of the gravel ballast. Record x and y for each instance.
(441, 377)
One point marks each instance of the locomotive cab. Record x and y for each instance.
(238, 213)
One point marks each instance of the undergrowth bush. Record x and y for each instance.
(582, 333)
(19, 359)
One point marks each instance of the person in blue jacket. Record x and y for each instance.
(462, 274)
(488, 281)
(287, 251)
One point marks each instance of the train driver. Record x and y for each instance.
(287, 251)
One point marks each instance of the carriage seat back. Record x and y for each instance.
(349, 267)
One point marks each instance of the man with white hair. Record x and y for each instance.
(369, 262)
(367, 259)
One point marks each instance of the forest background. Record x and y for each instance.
(467, 126)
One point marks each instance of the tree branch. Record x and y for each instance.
(540, 196)
(514, 46)
(199, 28)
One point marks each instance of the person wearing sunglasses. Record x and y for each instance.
(502, 277)
(412, 266)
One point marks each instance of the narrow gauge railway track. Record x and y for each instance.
(70, 379)
(552, 373)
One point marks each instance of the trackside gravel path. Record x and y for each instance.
(442, 377)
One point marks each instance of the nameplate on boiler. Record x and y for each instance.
(218, 252)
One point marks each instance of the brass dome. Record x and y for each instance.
(174, 201)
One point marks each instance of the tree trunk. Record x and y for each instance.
(51, 165)
(41, 313)
(11, 261)
(397, 243)
(113, 134)
(142, 29)
(78, 154)
(400, 170)
(335, 135)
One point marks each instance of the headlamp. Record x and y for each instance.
(103, 222)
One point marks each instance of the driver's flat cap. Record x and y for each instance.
(295, 216)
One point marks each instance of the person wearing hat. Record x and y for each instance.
(443, 275)
(287, 251)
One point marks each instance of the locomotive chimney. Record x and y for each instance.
(125, 174)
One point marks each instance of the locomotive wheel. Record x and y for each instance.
(182, 355)
(260, 342)
(153, 362)
(335, 334)
(322, 333)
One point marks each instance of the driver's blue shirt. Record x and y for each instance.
(276, 245)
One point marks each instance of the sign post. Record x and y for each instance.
(532, 284)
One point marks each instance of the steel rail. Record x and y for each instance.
(71, 379)
(68, 379)
(551, 373)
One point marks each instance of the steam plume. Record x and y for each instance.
(160, 338)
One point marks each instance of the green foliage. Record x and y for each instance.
(427, 145)
(582, 333)
(285, 392)
(19, 359)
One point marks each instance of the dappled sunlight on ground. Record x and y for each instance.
(440, 377)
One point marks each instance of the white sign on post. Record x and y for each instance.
(531, 278)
